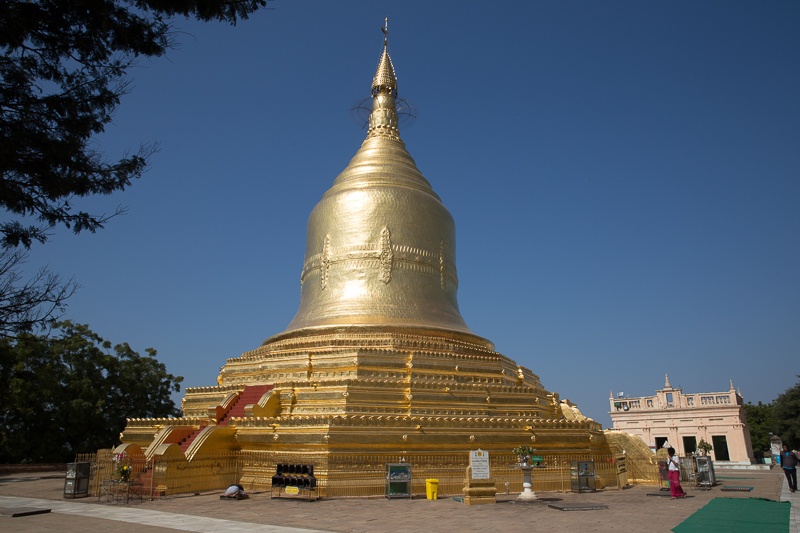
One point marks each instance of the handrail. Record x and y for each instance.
(218, 412)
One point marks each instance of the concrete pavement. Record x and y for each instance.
(794, 497)
(630, 510)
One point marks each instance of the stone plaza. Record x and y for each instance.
(628, 511)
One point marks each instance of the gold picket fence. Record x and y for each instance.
(354, 475)
(642, 471)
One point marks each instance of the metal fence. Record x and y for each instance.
(362, 475)
(642, 471)
(102, 468)
(352, 475)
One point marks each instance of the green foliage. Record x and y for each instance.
(72, 394)
(524, 450)
(62, 73)
(761, 419)
(704, 447)
(124, 471)
(787, 417)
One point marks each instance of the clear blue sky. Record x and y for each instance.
(624, 177)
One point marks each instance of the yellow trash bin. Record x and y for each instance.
(432, 487)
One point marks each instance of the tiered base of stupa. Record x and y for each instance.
(370, 390)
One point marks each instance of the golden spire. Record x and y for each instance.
(383, 121)
(385, 81)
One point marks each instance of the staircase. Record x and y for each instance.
(145, 486)
(250, 395)
(146, 479)
(186, 442)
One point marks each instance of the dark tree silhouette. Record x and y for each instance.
(36, 303)
(761, 419)
(787, 417)
(71, 393)
(62, 72)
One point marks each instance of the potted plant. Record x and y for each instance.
(124, 472)
(123, 467)
(523, 454)
(703, 447)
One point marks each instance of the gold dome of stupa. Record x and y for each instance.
(380, 246)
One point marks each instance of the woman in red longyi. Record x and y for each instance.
(675, 489)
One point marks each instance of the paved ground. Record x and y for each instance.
(630, 510)
(786, 496)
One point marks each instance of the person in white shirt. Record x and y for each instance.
(675, 489)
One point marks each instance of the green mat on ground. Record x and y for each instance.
(733, 515)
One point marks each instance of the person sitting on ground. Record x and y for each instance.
(235, 491)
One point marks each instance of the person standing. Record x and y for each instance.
(789, 464)
(675, 489)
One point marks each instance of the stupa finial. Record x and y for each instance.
(667, 385)
(383, 120)
(385, 81)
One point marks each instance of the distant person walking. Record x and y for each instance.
(675, 489)
(789, 464)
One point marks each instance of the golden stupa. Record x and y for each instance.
(378, 358)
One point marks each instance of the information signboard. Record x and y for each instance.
(479, 461)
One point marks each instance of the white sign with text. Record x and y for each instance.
(479, 461)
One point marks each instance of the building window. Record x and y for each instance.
(669, 399)
(689, 401)
(649, 403)
(720, 444)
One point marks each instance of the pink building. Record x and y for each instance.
(684, 419)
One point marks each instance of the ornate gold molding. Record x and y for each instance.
(386, 255)
(442, 279)
(383, 255)
(325, 263)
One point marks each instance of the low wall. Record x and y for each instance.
(34, 467)
(356, 475)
